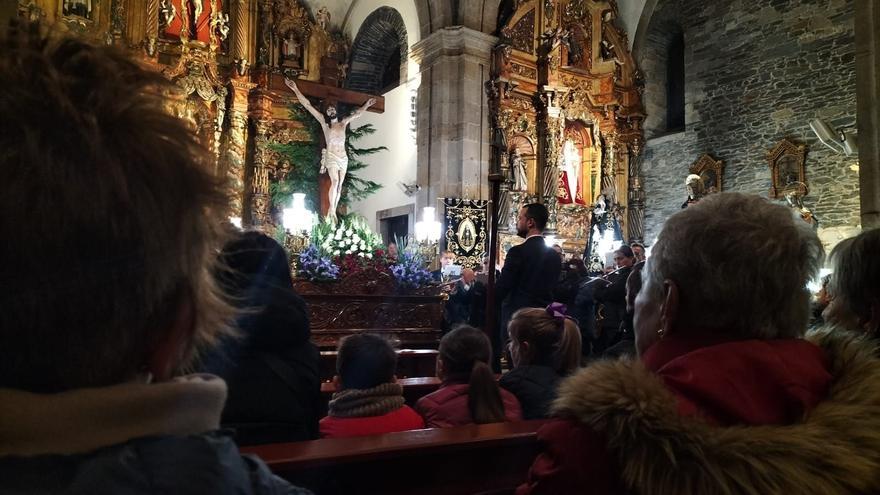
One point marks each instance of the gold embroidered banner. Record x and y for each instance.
(465, 226)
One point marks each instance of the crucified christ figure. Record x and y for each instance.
(334, 158)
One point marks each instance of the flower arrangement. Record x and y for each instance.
(349, 246)
(350, 236)
(410, 271)
(315, 267)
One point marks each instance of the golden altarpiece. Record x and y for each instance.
(228, 61)
(228, 58)
(566, 95)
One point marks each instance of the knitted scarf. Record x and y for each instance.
(376, 401)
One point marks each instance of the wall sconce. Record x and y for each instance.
(298, 221)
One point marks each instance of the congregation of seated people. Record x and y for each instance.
(120, 277)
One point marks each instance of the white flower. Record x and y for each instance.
(361, 255)
(363, 246)
(338, 235)
(348, 251)
(369, 255)
(348, 232)
(355, 237)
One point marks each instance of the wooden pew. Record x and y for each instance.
(492, 458)
(410, 363)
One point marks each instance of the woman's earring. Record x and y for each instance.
(661, 332)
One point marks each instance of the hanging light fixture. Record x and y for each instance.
(428, 229)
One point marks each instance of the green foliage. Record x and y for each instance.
(305, 158)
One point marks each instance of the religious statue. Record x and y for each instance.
(518, 169)
(290, 48)
(695, 190)
(570, 171)
(322, 17)
(334, 158)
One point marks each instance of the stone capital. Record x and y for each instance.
(453, 41)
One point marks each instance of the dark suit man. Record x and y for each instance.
(531, 269)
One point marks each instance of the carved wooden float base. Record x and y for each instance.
(366, 303)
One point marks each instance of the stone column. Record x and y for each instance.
(636, 211)
(453, 130)
(234, 153)
(867, 26)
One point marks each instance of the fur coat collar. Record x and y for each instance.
(835, 449)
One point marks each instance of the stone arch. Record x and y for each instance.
(379, 51)
(663, 33)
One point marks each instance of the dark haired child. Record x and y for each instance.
(469, 393)
(368, 401)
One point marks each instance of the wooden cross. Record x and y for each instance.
(329, 95)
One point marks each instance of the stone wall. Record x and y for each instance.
(757, 71)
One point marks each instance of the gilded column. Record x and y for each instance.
(234, 153)
(551, 125)
(151, 23)
(257, 209)
(238, 44)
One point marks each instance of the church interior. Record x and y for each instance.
(388, 153)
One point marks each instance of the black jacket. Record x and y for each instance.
(530, 273)
(272, 371)
(613, 299)
(195, 464)
(534, 386)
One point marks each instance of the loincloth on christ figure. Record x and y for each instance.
(330, 160)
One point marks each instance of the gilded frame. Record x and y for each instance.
(786, 161)
(710, 171)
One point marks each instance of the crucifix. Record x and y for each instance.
(334, 158)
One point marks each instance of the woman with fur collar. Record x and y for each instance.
(727, 397)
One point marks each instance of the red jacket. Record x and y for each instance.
(448, 406)
(402, 419)
(662, 425)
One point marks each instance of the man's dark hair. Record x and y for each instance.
(110, 212)
(364, 361)
(538, 213)
(626, 251)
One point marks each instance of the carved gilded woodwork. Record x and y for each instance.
(522, 33)
(710, 171)
(787, 171)
(583, 72)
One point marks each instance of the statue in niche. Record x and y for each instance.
(334, 158)
(569, 189)
(291, 50)
(518, 169)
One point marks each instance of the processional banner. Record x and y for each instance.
(465, 225)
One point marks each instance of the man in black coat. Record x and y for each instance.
(531, 269)
(612, 296)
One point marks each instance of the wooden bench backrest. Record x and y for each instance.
(492, 458)
(410, 363)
